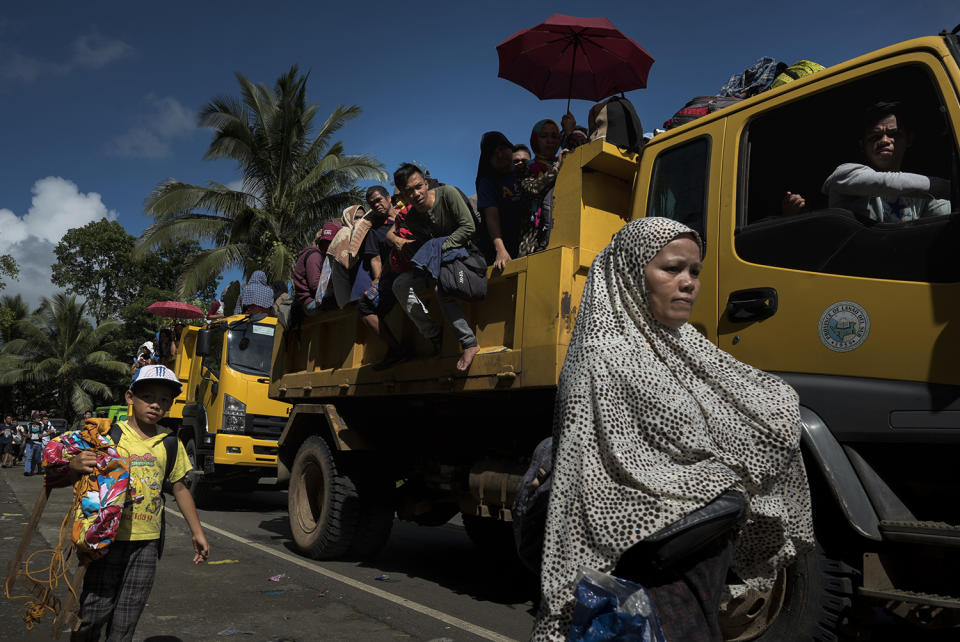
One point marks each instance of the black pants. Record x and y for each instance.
(687, 596)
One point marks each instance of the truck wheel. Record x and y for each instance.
(199, 489)
(375, 520)
(812, 600)
(323, 504)
(491, 536)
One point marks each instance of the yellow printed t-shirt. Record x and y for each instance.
(148, 461)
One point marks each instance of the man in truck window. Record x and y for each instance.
(436, 212)
(878, 189)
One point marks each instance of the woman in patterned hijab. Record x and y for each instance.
(653, 422)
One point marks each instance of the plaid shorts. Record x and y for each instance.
(115, 590)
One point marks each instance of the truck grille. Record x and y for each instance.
(264, 426)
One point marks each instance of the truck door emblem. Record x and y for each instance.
(844, 326)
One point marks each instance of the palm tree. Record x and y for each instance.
(58, 349)
(293, 180)
(12, 309)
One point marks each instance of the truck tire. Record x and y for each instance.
(199, 489)
(375, 520)
(322, 503)
(817, 601)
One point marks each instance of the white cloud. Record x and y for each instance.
(164, 120)
(88, 52)
(58, 205)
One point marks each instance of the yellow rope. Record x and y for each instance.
(57, 569)
(49, 577)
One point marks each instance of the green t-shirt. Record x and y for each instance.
(450, 216)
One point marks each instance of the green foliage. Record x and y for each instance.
(97, 262)
(8, 268)
(60, 353)
(12, 309)
(293, 181)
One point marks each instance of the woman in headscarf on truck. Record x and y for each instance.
(653, 422)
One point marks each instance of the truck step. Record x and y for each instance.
(913, 597)
(938, 533)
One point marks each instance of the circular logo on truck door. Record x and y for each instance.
(844, 326)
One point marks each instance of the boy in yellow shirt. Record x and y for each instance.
(116, 587)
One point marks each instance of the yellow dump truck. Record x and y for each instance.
(228, 424)
(861, 317)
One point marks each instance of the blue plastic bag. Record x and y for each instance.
(610, 608)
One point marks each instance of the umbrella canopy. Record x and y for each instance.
(570, 57)
(175, 310)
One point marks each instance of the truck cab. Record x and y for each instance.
(859, 316)
(227, 422)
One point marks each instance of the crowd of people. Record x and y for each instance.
(397, 246)
(22, 441)
(161, 349)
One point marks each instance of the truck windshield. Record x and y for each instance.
(249, 348)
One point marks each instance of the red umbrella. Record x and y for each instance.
(175, 310)
(570, 57)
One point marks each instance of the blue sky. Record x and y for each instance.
(98, 100)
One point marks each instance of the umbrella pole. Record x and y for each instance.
(573, 65)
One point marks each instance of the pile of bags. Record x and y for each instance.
(762, 75)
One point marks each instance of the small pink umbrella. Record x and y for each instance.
(175, 310)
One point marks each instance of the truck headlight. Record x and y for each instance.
(234, 414)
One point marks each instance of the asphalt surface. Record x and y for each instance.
(428, 583)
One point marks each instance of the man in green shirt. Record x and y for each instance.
(435, 213)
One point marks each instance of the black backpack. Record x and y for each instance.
(697, 107)
(465, 278)
(617, 122)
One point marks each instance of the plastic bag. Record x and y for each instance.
(610, 608)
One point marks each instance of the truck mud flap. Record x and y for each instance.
(840, 475)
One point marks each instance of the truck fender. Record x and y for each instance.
(195, 425)
(839, 475)
(314, 419)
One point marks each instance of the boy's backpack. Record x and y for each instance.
(616, 121)
(796, 71)
(697, 107)
(170, 445)
(530, 506)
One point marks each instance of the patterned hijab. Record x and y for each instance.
(651, 424)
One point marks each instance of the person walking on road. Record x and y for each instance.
(7, 445)
(31, 453)
(116, 586)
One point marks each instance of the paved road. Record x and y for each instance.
(437, 585)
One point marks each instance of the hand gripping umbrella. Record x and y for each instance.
(570, 57)
(175, 310)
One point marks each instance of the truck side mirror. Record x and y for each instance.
(203, 343)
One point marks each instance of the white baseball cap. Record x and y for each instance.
(160, 374)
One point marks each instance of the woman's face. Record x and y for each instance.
(548, 140)
(673, 281)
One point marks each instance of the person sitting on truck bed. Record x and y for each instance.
(436, 212)
(378, 299)
(653, 423)
(498, 197)
(878, 189)
(309, 267)
(256, 296)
